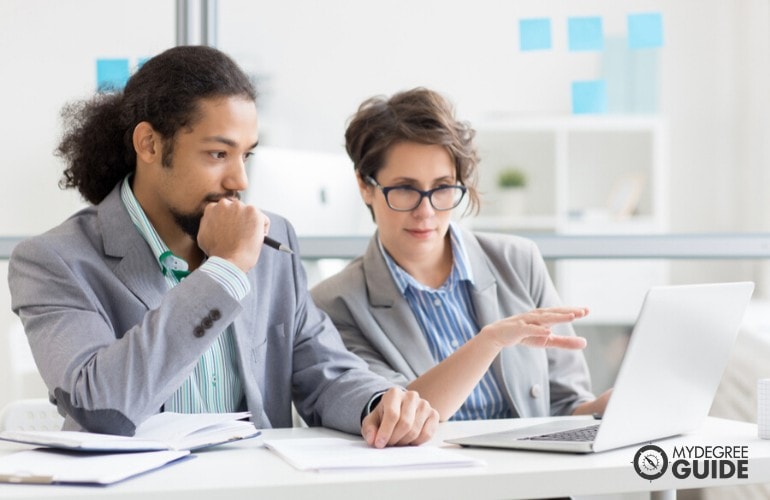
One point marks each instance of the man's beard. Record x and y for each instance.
(189, 223)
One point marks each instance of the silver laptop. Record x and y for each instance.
(678, 350)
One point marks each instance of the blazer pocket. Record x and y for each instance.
(276, 331)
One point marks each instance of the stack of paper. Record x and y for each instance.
(763, 408)
(91, 458)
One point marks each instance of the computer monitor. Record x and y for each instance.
(316, 191)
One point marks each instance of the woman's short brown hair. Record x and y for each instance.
(418, 115)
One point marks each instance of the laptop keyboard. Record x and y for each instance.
(581, 434)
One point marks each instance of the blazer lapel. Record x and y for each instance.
(392, 312)
(134, 262)
(487, 308)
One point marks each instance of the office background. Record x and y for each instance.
(691, 113)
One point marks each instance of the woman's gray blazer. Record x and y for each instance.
(510, 276)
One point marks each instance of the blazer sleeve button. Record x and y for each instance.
(207, 323)
(215, 314)
(199, 331)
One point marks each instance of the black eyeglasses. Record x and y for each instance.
(407, 198)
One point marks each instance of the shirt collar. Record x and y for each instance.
(170, 264)
(461, 270)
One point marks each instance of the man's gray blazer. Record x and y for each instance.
(113, 343)
(377, 323)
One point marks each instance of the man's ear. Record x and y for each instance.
(147, 143)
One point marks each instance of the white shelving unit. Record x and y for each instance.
(586, 175)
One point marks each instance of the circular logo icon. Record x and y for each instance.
(650, 462)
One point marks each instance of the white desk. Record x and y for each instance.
(246, 470)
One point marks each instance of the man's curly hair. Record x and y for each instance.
(97, 144)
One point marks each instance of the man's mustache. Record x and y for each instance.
(213, 198)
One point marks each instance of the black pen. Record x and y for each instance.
(277, 245)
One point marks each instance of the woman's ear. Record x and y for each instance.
(366, 190)
(147, 143)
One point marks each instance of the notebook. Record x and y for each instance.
(162, 431)
(678, 350)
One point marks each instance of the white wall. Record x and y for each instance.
(319, 60)
(49, 50)
(716, 76)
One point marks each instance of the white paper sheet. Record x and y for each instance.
(326, 454)
(46, 466)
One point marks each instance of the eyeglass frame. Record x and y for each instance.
(423, 194)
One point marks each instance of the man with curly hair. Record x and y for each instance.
(158, 297)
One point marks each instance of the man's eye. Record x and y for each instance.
(248, 155)
(218, 154)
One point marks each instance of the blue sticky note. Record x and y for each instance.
(589, 97)
(585, 33)
(645, 31)
(535, 34)
(111, 74)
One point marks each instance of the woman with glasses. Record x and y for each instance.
(462, 318)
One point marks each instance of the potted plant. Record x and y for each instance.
(512, 183)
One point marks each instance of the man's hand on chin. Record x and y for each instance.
(401, 418)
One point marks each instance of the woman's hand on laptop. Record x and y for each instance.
(595, 407)
(533, 328)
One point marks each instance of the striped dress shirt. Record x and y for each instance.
(214, 386)
(447, 320)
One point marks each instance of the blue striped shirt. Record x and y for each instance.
(448, 321)
(214, 386)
